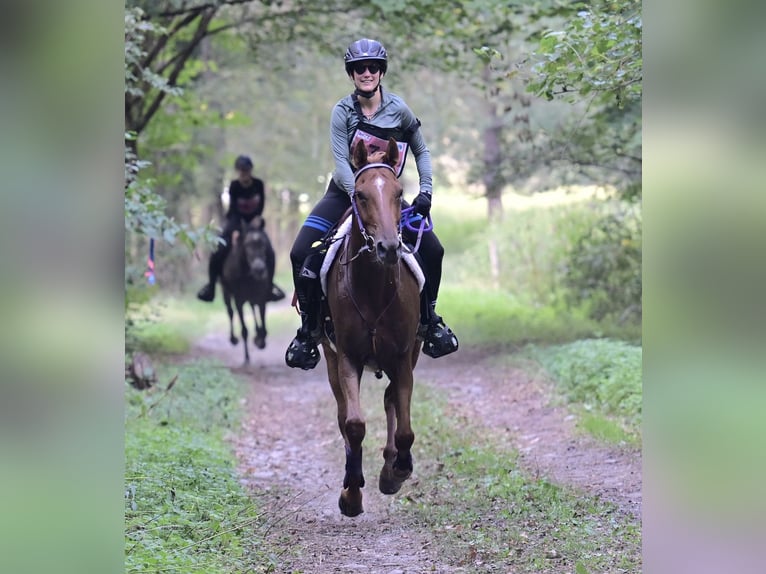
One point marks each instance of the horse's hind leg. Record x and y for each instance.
(398, 459)
(386, 483)
(227, 299)
(243, 325)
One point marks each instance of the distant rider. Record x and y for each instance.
(246, 201)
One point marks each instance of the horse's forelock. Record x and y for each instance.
(377, 157)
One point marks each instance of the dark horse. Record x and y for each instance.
(373, 299)
(246, 279)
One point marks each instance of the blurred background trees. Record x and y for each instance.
(532, 112)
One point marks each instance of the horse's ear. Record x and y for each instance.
(392, 152)
(235, 237)
(360, 155)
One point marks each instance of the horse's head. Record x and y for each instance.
(255, 245)
(378, 199)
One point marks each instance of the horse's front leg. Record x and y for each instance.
(243, 325)
(397, 466)
(230, 310)
(353, 430)
(260, 327)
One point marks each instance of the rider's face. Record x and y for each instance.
(244, 175)
(366, 75)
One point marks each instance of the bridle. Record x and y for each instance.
(369, 240)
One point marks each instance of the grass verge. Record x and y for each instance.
(601, 380)
(482, 317)
(184, 508)
(168, 325)
(489, 516)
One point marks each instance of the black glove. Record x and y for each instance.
(422, 203)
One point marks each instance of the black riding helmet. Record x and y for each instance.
(243, 163)
(366, 49)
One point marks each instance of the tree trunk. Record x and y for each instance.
(493, 179)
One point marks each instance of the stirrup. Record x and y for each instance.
(207, 293)
(302, 353)
(438, 339)
(276, 293)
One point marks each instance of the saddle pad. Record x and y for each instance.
(338, 240)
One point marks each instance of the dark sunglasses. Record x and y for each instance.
(361, 67)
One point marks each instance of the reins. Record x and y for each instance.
(426, 225)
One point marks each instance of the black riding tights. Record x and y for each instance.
(329, 210)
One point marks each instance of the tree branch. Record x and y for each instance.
(181, 58)
(199, 8)
(163, 40)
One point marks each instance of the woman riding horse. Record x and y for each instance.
(373, 116)
(246, 201)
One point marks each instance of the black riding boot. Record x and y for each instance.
(215, 268)
(438, 338)
(302, 352)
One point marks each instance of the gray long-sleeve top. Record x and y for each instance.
(393, 113)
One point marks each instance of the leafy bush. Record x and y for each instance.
(601, 375)
(603, 266)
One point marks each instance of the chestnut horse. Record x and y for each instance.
(373, 300)
(246, 279)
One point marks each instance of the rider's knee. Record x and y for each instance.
(297, 255)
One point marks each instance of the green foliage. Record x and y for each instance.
(165, 326)
(601, 376)
(489, 512)
(484, 317)
(596, 57)
(137, 77)
(597, 52)
(185, 510)
(603, 266)
(145, 212)
(530, 299)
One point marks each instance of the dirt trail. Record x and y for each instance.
(516, 407)
(291, 455)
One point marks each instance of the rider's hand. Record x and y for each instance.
(422, 203)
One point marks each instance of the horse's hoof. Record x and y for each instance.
(388, 485)
(350, 504)
(233, 340)
(260, 343)
(392, 478)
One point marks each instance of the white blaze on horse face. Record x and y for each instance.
(379, 183)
